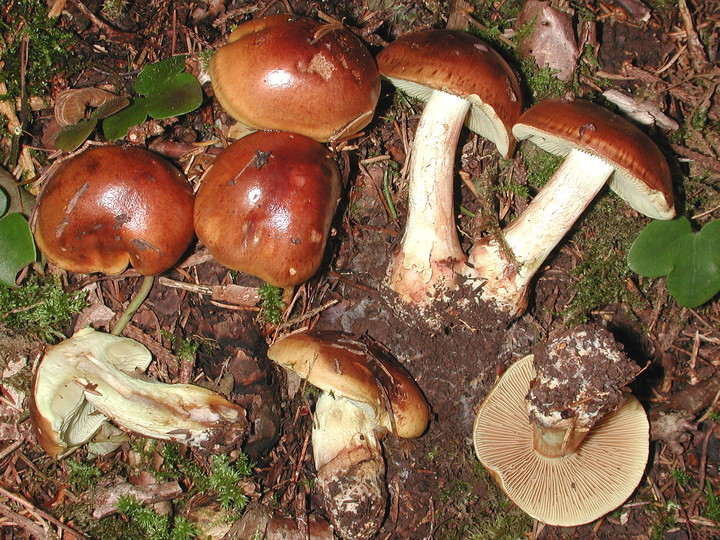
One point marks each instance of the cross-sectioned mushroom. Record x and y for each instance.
(366, 394)
(93, 376)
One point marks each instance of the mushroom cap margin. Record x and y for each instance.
(336, 363)
(461, 64)
(642, 175)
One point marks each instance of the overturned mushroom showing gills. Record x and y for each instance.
(295, 74)
(61, 416)
(93, 376)
(111, 206)
(598, 147)
(568, 487)
(366, 394)
(463, 81)
(266, 205)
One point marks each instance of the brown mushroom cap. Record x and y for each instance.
(569, 490)
(335, 363)
(111, 206)
(461, 64)
(641, 177)
(266, 205)
(296, 74)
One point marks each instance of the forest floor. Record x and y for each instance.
(663, 54)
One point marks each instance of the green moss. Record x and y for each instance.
(540, 165)
(489, 514)
(665, 519)
(681, 476)
(603, 237)
(222, 479)
(542, 82)
(83, 476)
(155, 526)
(271, 304)
(40, 307)
(49, 48)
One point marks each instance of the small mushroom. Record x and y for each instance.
(598, 147)
(111, 206)
(92, 376)
(295, 74)
(366, 394)
(566, 451)
(266, 205)
(463, 81)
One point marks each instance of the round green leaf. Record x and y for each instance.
(695, 279)
(17, 247)
(653, 252)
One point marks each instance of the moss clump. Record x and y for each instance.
(49, 48)
(541, 165)
(271, 304)
(40, 307)
(603, 237)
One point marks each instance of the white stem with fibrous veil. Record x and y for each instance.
(537, 231)
(430, 249)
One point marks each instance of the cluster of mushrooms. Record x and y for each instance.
(265, 208)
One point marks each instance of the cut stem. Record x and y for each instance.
(430, 248)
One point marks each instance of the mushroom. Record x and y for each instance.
(111, 206)
(565, 450)
(92, 376)
(462, 81)
(266, 205)
(292, 73)
(366, 393)
(598, 147)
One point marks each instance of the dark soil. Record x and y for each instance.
(437, 488)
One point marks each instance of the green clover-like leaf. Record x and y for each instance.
(71, 137)
(653, 252)
(116, 126)
(4, 202)
(17, 247)
(154, 75)
(166, 90)
(691, 260)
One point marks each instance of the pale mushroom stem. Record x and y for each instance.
(558, 441)
(337, 421)
(537, 231)
(135, 303)
(430, 249)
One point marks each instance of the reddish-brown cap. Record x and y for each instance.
(111, 206)
(296, 74)
(461, 64)
(641, 177)
(266, 205)
(339, 364)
